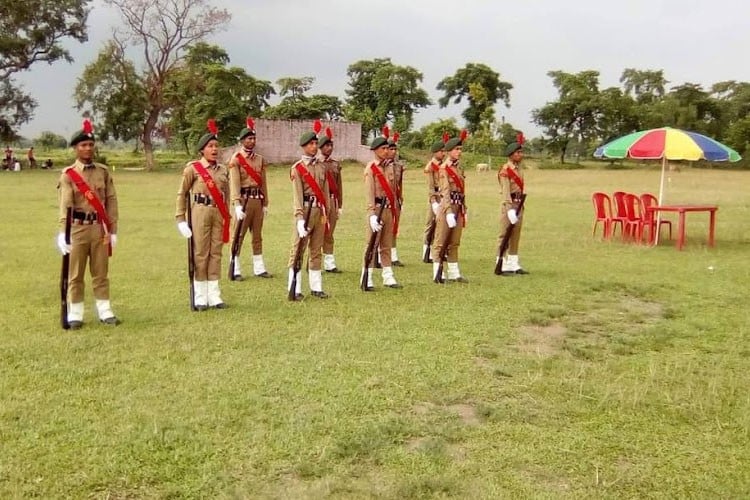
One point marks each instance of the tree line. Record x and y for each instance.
(180, 80)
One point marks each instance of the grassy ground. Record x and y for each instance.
(613, 370)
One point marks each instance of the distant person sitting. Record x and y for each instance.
(48, 163)
(16, 165)
(8, 153)
(31, 158)
(6, 164)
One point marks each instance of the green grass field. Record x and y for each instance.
(613, 370)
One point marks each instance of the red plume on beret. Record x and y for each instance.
(386, 132)
(396, 135)
(250, 123)
(520, 139)
(446, 137)
(88, 128)
(211, 125)
(317, 127)
(329, 133)
(464, 134)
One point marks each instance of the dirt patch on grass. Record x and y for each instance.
(423, 408)
(546, 479)
(467, 413)
(417, 443)
(543, 341)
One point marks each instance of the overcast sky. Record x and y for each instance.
(692, 41)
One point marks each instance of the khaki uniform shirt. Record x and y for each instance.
(334, 167)
(447, 185)
(508, 185)
(239, 178)
(373, 189)
(193, 182)
(98, 178)
(432, 169)
(301, 189)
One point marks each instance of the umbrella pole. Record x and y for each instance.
(661, 200)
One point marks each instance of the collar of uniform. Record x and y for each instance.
(453, 163)
(514, 164)
(208, 164)
(80, 165)
(308, 160)
(249, 152)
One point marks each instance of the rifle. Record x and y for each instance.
(506, 239)
(297, 263)
(191, 251)
(65, 268)
(370, 249)
(443, 254)
(236, 240)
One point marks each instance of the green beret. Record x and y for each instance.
(245, 132)
(378, 141)
(305, 138)
(452, 143)
(512, 148)
(81, 136)
(437, 146)
(205, 139)
(323, 140)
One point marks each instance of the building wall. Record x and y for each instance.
(278, 140)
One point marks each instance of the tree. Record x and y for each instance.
(33, 31)
(113, 92)
(164, 30)
(574, 115)
(204, 87)
(482, 88)
(380, 92)
(425, 136)
(50, 140)
(645, 86)
(297, 106)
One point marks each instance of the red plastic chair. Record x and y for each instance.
(603, 214)
(649, 200)
(620, 214)
(634, 223)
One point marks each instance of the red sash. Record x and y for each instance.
(92, 200)
(250, 170)
(435, 166)
(316, 189)
(217, 197)
(388, 194)
(514, 177)
(333, 187)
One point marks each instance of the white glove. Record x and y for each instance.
(435, 207)
(238, 213)
(184, 229)
(450, 218)
(64, 248)
(265, 211)
(301, 231)
(112, 240)
(512, 216)
(374, 225)
(341, 211)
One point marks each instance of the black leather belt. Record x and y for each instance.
(382, 200)
(516, 196)
(202, 199)
(85, 216)
(252, 192)
(456, 197)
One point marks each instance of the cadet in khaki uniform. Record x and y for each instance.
(398, 173)
(88, 188)
(207, 183)
(247, 179)
(310, 196)
(451, 215)
(336, 200)
(432, 170)
(510, 177)
(380, 192)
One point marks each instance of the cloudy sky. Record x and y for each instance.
(692, 41)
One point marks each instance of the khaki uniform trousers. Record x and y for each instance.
(384, 240)
(333, 217)
(88, 245)
(441, 232)
(428, 225)
(314, 240)
(252, 222)
(207, 243)
(515, 238)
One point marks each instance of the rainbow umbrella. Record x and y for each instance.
(666, 144)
